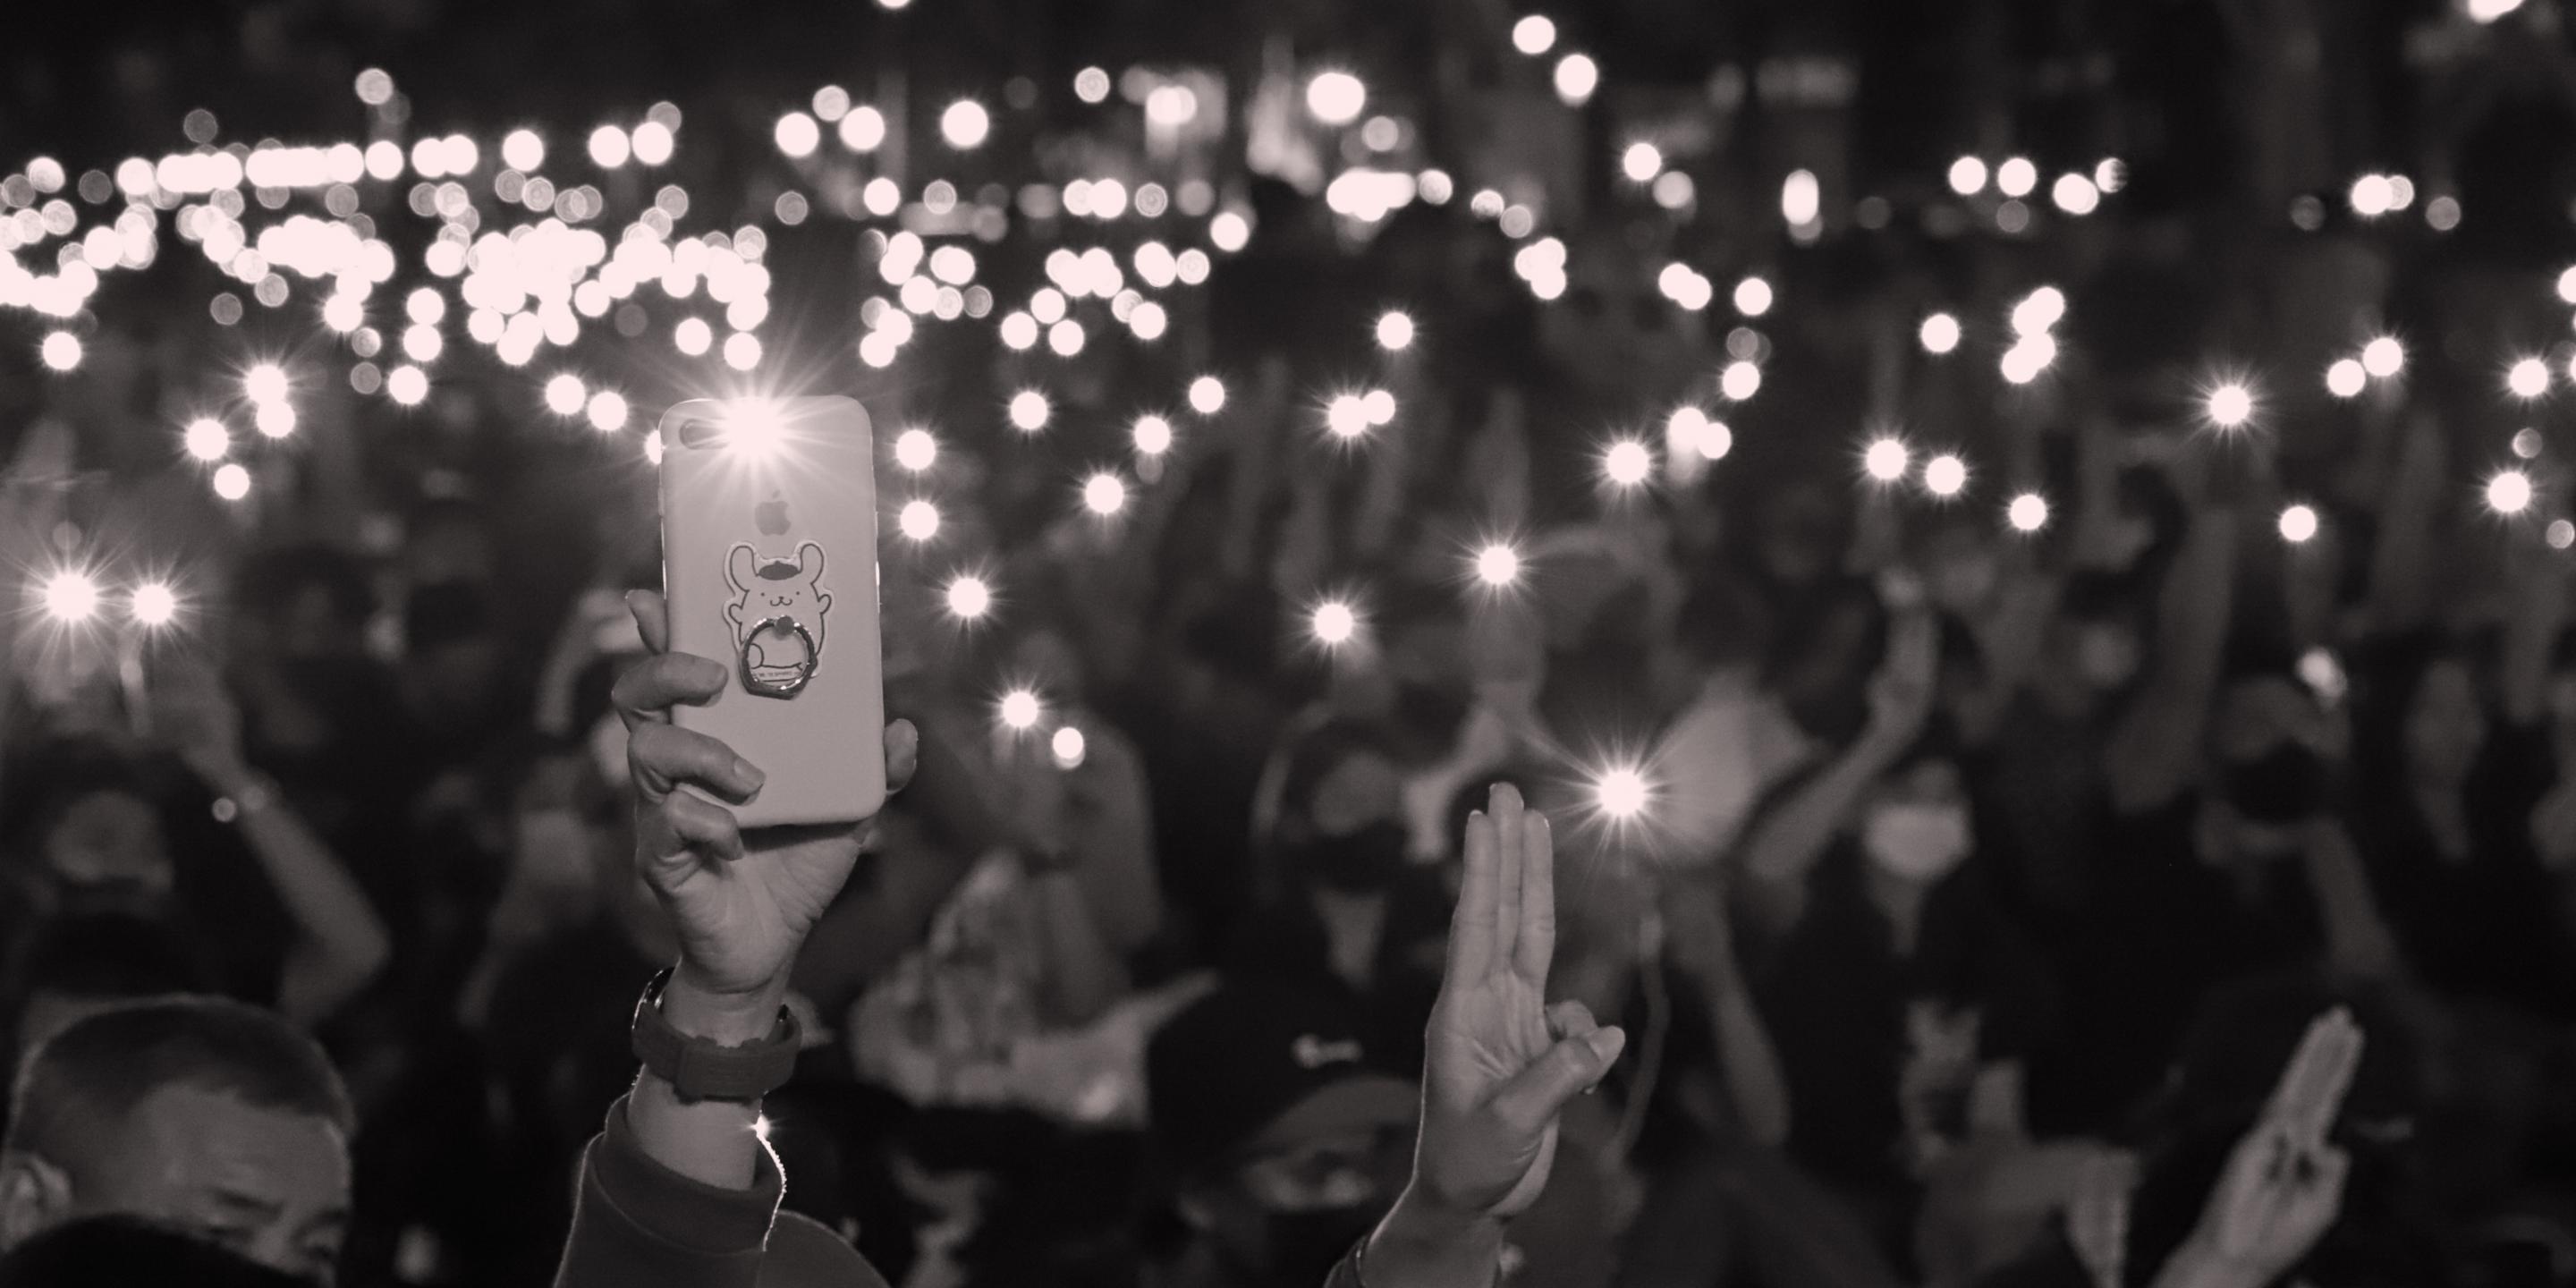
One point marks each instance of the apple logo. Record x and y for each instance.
(771, 515)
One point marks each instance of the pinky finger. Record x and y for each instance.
(1569, 1019)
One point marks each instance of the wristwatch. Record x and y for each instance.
(698, 1069)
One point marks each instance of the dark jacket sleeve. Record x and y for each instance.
(637, 1222)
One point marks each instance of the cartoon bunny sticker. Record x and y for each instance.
(778, 615)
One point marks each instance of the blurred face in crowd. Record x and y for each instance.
(2087, 661)
(2445, 725)
(106, 853)
(311, 628)
(1614, 334)
(1049, 662)
(2274, 751)
(1290, 1210)
(1915, 826)
(269, 1184)
(1961, 571)
(1800, 540)
(1357, 840)
(557, 862)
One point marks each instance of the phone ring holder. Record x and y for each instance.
(778, 681)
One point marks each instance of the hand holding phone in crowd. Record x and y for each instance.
(742, 904)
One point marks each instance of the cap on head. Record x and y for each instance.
(1255, 1064)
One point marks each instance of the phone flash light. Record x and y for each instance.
(2509, 492)
(754, 431)
(1498, 565)
(919, 520)
(70, 597)
(1067, 746)
(969, 597)
(154, 604)
(1334, 622)
(1621, 793)
(1019, 708)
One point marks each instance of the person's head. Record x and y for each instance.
(2274, 752)
(1914, 823)
(1614, 335)
(2446, 723)
(77, 966)
(2095, 648)
(1284, 1143)
(304, 604)
(455, 658)
(1341, 817)
(196, 1113)
(1799, 534)
(85, 832)
(123, 1252)
(1962, 568)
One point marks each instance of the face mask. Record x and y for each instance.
(2284, 785)
(1365, 860)
(1302, 1247)
(1916, 842)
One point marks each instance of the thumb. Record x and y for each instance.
(1532, 1098)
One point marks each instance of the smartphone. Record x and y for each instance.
(769, 566)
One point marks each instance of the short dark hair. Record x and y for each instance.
(101, 1069)
(116, 1251)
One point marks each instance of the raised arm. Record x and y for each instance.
(2536, 616)
(341, 945)
(2155, 752)
(1793, 835)
(1698, 939)
(742, 905)
(2401, 561)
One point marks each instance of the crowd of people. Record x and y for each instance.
(2149, 889)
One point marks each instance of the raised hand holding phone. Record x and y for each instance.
(742, 903)
(1499, 1065)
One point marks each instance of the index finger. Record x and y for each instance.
(647, 691)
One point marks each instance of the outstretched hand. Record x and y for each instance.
(2284, 1184)
(742, 905)
(1500, 1062)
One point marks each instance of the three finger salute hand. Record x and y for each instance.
(2283, 1186)
(1499, 1065)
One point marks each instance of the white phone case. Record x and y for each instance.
(769, 564)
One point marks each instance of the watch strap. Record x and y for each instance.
(698, 1069)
